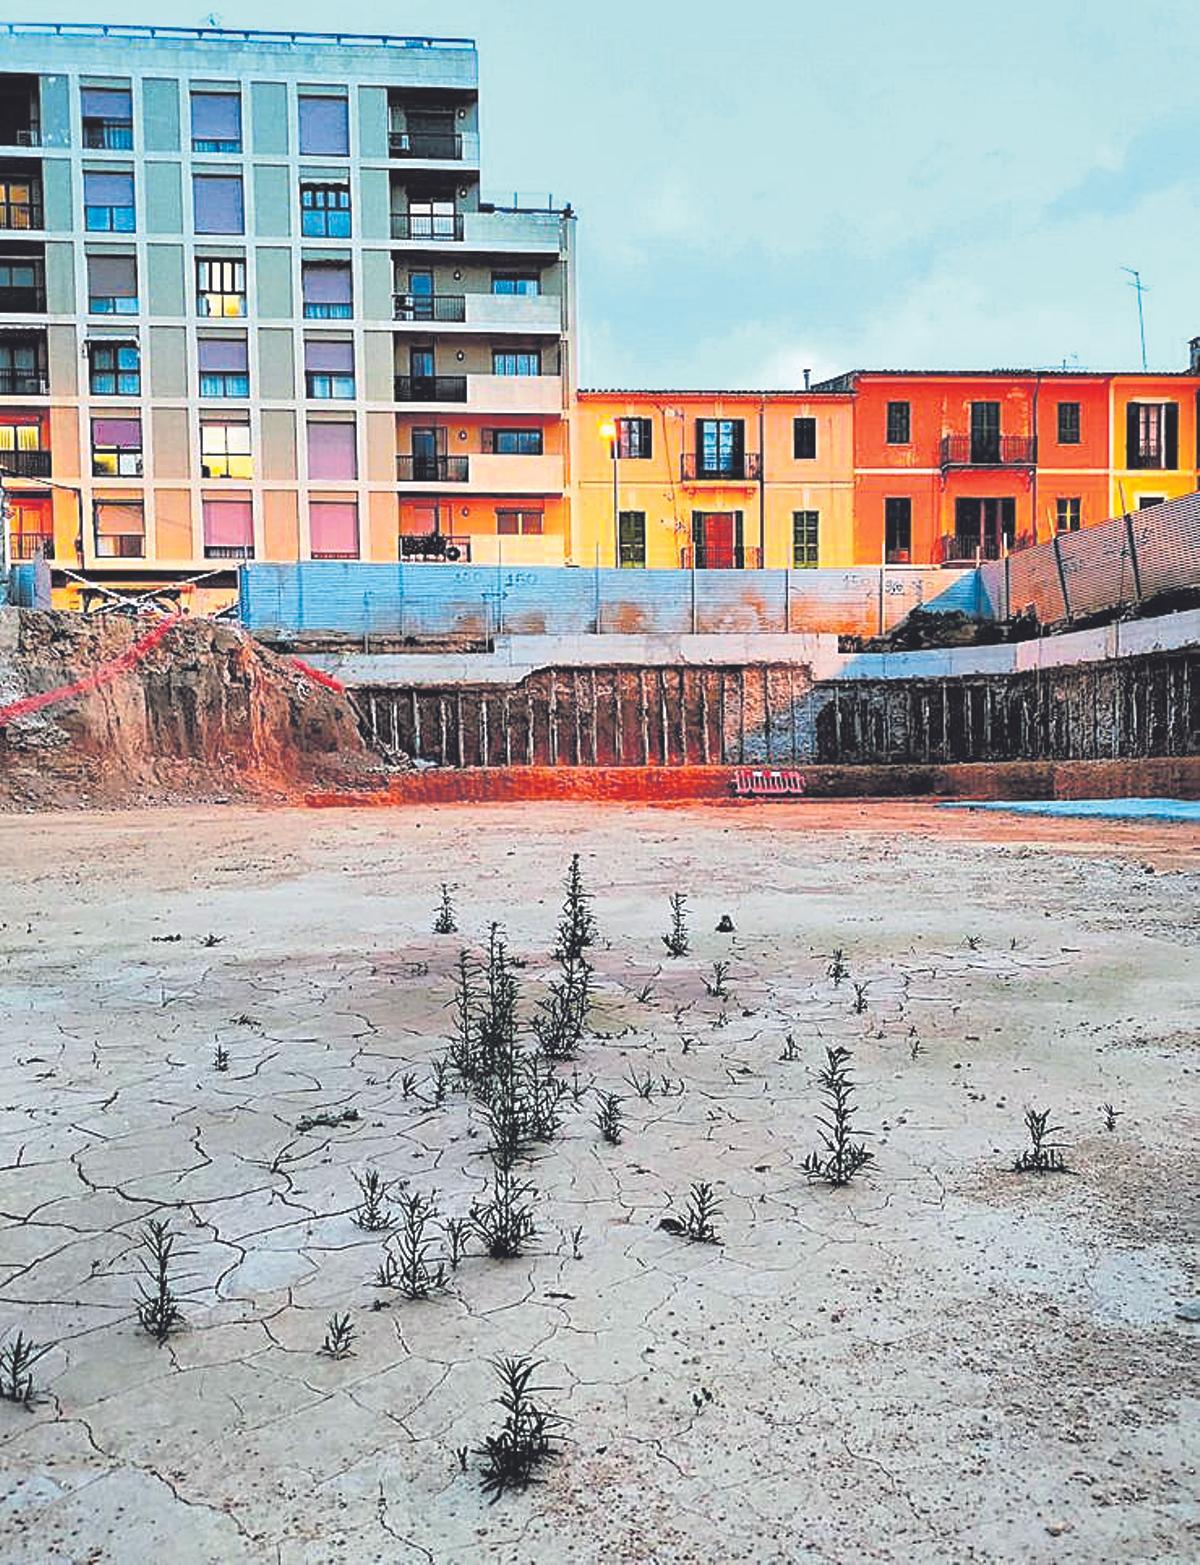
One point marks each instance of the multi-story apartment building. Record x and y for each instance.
(253, 305)
(876, 467)
(721, 480)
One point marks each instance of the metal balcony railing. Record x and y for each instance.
(27, 546)
(25, 464)
(437, 227)
(110, 135)
(988, 451)
(23, 383)
(23, 301)
(228, 551)
(435, 548)
(431, 388)
(969, 548)
(432, 469)
(446, 145)
(27, 136)
(429, 307)
(22, 215)
(740, 557)
(694, 469)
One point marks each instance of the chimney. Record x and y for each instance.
(1194, 345)
(1195, 350)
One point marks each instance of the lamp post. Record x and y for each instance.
(608, 431)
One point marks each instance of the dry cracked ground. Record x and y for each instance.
(946, 1361)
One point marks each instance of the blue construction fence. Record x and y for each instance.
(429, 602)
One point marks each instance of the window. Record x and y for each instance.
(432, 218)
(328, 369)
(805, 538)
(513, 442)
(224, 366)
(114, 369)
(108, 203)
(511, 523)
(631, 540)
(1152, 435)
(327, 290)
(804, 439)
(217, 204)
(107, 117)
(899, 424)
(325, 211)
(333, 529)
(516, 282)
(1145, 501)
(22, 284)
(526, 361)
(20, 202)
(332, 450)
(220, 288)
(324, 125)
(117, 447)
(228, 529)
(120, 528)
(216, 122)
(1067, 513)
(720, 447)
(635, 439)
(1068, 424)
(897, 526)
(225, 449)
(112, 285)
(22, 454)
(21, 372)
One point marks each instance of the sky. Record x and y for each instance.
(770, 186)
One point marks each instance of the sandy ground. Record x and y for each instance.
(945, 1362)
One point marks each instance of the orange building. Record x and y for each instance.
(951, 466)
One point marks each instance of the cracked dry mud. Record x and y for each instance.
(944, 1362)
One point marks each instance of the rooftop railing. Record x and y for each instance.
(225, 34)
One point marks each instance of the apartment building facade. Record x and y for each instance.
(253, 305)
(715, 480)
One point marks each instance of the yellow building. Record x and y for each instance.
(664, 479)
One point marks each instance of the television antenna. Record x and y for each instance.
(1139, 287)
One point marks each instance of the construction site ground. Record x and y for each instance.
(947, 1361)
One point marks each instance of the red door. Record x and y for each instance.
(720, 541)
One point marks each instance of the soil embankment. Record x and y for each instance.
(204, 713)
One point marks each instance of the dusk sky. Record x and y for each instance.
(775, 185)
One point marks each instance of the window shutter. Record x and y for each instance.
(324, 125)
(112, 276)
(228, 524)
(332, 452)
(333, 357)
(223, 355)
(333, 526)
(217, 200)
(108, 190)
(106, 103)
(217, 116)
(1171, 435)
(1131, 436)
(325, 282)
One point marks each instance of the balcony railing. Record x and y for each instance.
(991, 451)
(432, 469)
(28, 136)
(23, 301)
(27, 546)
(23, 383)
(22, 215)
(25, 464)
(740, 558)
(435, 548)
(968, 548)
(693, 469)
(431, 388)
(447, 145)
(228, 551)
(429, 307)
(438, 227)
(109, 135)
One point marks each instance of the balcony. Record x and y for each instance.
(429, 307)
(432, 469)
(435, 548)
(431, 388)
(24, 214)
(18, 300)
(228, 551)
(23, 383)
(428, 227)
(27, 546)
(435, 145)
(989, 451)
(746, 468)
(25, 463)
(741, 557)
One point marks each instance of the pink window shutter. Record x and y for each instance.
(334, 527)
(332, 451)
(124, 432)
(228, 524)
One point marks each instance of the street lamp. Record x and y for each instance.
(608, 431)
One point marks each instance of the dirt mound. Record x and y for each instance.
(205, 713)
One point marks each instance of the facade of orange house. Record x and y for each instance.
(955, 466)
(715, 480)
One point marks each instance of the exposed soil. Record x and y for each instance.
(946, 1362)
(207, 713)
